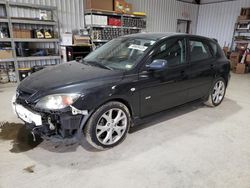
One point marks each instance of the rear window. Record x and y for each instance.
(214, 48)
(199, 51)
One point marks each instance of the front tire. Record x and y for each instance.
(216, 93)
(108, 126)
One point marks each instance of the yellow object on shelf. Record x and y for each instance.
(24, 69)
(139, 13)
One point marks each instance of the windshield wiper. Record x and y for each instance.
(98, 65)
(84, 62)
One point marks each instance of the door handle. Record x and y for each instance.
(143, 74)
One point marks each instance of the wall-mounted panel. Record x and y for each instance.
(217, 20)
(162, 15)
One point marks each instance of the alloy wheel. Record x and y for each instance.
(111, 126)
(218, 92)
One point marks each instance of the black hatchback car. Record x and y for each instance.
(120, 83)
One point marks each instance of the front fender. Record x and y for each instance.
(99, 96)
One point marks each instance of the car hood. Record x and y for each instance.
(66, 74)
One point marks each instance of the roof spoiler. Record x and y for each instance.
(214, 39)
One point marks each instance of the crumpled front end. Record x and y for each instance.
(49, 124)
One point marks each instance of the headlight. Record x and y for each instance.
(57, 101)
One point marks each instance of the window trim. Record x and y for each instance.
(186, 62)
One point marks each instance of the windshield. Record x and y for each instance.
(120, 53)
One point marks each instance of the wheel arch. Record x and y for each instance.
(118, 99)
(223, 75)
(121, 100)
(224, 72)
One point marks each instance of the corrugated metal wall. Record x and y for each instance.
(70, 12)
(162, 15)
(217, 20)
(2, 11)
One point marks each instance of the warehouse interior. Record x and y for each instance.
(191, 145)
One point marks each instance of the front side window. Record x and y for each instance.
(173, 50)
(120, 53)
(199, 51)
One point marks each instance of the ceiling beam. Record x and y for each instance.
(198, 2)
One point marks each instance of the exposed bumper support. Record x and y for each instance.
(59, 125)
(76, 111)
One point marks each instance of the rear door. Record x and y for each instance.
(201, 70)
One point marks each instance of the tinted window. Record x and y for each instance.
(173, 50)
(214, 48)
(120, 53)
(199, 51)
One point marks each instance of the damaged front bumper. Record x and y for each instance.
(52, 125)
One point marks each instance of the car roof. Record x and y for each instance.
(159, 36)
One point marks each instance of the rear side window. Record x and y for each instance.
(199, 51)
(214, 48)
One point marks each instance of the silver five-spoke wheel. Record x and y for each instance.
(111, 126)
(108, 125)
(218, 92)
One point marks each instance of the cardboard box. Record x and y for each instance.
(25, 33)
(128, 9)
(96, 19)
(81, 39)
(6, 54)
(235, 56)
(17, 33)
(240, 68)
(22, 33)
(99, 4)
(234, 59)
(243, 18)
(119, 6)
(245, 11)
(233, 64)
(248, 59)
(66, 39)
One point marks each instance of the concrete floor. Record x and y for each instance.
(189, 146)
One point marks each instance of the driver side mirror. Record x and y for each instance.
(157, 65)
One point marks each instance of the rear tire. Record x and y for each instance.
(216, 93)
(108, 126)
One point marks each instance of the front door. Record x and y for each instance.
(167, 88)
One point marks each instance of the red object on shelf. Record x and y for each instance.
(114, 22)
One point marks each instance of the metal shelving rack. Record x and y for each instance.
(110, 13)
(237, 32)
(29, 21)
